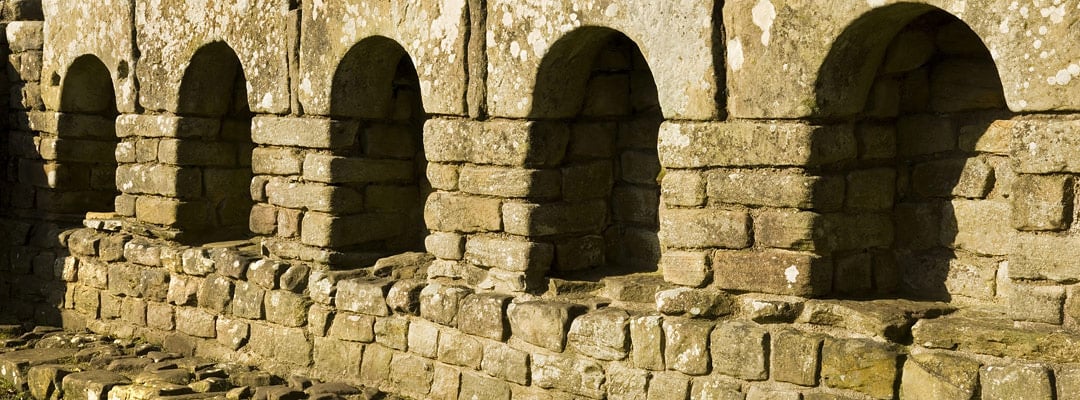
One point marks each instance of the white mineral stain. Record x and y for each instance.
(735, 54)
(764, 14)
(791, 274)
(875, 3)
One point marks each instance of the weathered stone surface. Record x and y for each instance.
(507, 363)
(704, 229)
(576, 375)
(647, 338)
(476, 386)
(543, 323)
(440, 304)
(337, 358)
(997, 338)
(411, 374)
(1016, 381)
(686, 347)
(509, 182)
(364, 296)
(460, 349)
(528, 219)
(511, 255)
(795, 357)
(929, 375)
(1043, 146)
(624, 382)
(601, 334)
(772, 271)
(888, 319)
(504, 142)
(15, 365)
(732, 144)
(459, 213)
(1036, 303)
(46, 381)
(289, 345)
(1039, 202)
(352, 327)
(738, 349)
(776, 188)
(669, 386)
(859, 364)
(690, 268)
(484, 315)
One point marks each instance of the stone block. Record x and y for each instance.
(602, 334)
(247, 300)
(509, 182)
(92, 384)
(501, 142)
(46, 381)
(683, 301)
(861, 365)
(970, 178)
(976, 226)
(929, 375)
(303, 132)
(424, 338)
(476, 386)
(411, 374)
(689, 268)
(440, 304)
(365, 296)
(511, 255)
(276, 161)
(746, 143)
(160, 316)
(1068, 381)
(669, 386)
(587, 180)
(775, 188)
(772, 271)
(266, 273)
(795, 357)
(328, 230)
(1041, 202)
(635, 205)
(196, 322)
(1016, 381)
(392, 332)
(313, 196)
(543, 323)
(871, 189)
(460, 349)
(484, 315)
(506, 363)
(340, 170)
(1045, 258)
(215, 293)
(647, 336)
(232, 333)
(704, 228)
(286, 308)
(335, 359)
(924, 134)
(579, 253)
(445, 246)
(686, 347)
(404, 297)
(716, 387)
(580, 376)
(282, 344)
(788, 229)
(183, 290)
(448, 212)
(529, 219)
(683, 188)
(1035, 303)
(625, 382)
(443, 176)
(739, 350)
(353, 328)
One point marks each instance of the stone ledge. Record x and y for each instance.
(999, 337)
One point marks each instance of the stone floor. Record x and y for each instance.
(46, 363)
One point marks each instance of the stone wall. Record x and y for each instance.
(611, 199)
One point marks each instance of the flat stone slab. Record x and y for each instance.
(91, 384)
(999, 337)
(15, 365)
(889, 319)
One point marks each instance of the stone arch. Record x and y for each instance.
(213, 146)
(376, 89)
(596, 81)
(83, 172)
(924, 211)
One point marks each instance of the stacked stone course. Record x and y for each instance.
(555, 199)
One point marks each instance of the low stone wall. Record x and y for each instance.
(379, 327)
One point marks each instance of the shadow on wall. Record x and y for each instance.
(919, 213)
(214, 100)
(377, 89)
(596, 81)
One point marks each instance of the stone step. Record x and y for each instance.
(15, 365)
(999, 336)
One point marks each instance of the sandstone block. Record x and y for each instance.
(449, 212)
(1016, 381)
(446, 246)
(92, 384)
(973, 225)
(692, 303)
(505, 362)
(1045, 146)
(795, 357)
(669, 386)
(247, 300)
(739, 350)
(689, 268)
(424, 338)
(647, 336)
(684, 188)
(507, 143)
(276, 161)
(939, 376)
(484, 315)
(215, 293)
(183, 290)
(440, 304)
(337, 359)
(353, 328)
(772, 271)
(775, 188)
(587, 181)
(788, 229)
(411, 374)
(859, 364)
(704, 229)
(363, 296)
(286, 308)
(476, 386)
(511, 255)
(925, 134)
(1036, 303)
(196, 322)
(580, 376)
(443, 176)
(303, 132)
(375, 365)
(509, 182)
(529, 219)
(579, 253)
(1039, 202)
(686, 347)
(741, 143)
(625, 382)
(460, 349)
(284, 344)
(1044, 257)
(871, 189)
(232, 333)
(543, 323)
(316, 197)
(336, 170)
(46, 381)
(392, 332)
(601, 334)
